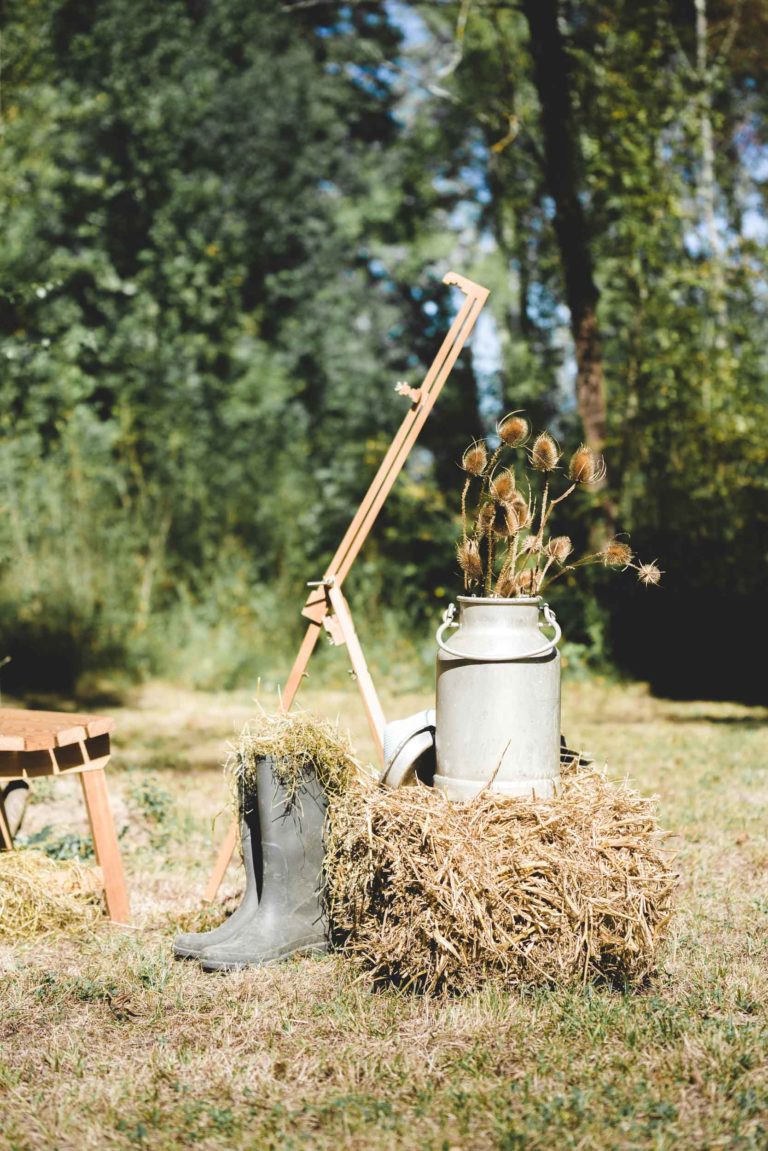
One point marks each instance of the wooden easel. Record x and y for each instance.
(326, 608)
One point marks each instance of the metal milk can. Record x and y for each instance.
(498, 699)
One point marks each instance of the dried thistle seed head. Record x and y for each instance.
(531, 545)
(503, 486)
(544, 453)
(506, 522)
(526, 582)
(559, 548)
(505, 585)
(485, 517)
(616, 554)
(513, 430)
(519, 506)
(475, 458)
(586, 467)
(649, 574)
(468, 555)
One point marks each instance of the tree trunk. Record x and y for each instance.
(707, 186)
(563, 174)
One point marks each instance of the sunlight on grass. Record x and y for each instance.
(107, 1042)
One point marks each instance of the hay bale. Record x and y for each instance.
(437, 895)
(40, 896)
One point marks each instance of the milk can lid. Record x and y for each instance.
(408, 747)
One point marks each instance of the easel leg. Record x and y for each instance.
(222, 863)
(293, 682)
(373, 708)
(105, 843)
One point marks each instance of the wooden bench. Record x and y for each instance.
(54, 743)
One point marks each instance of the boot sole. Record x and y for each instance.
(187, 953)
(319, 947)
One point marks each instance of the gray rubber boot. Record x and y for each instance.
(191, 944)
(289, 918)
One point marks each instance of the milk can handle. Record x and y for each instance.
(549, 619)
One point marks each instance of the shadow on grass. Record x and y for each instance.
(732, 720)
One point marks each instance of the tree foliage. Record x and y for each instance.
(225, 226)
(669, 231)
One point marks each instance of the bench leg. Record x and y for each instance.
(6, 839)
(105, 843)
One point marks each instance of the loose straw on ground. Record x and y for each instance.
(39, 896)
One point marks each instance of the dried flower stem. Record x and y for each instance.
(540, 534)
(510, 561)
(544, 571)
(489, 566)
(593, 558)
(487, 475)
(464, 494)
(564, 495)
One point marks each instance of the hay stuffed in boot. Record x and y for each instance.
(443, 896)
(301, 746)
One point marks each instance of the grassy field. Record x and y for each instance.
(106, 1042)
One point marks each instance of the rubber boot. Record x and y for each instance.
(191, 944)
(289, 918)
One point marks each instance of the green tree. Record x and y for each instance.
(621, 146)
(196, 334)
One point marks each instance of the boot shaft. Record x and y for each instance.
(291, 829)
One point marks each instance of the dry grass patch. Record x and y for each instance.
(108, 1044)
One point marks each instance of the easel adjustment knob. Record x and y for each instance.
(404, 389)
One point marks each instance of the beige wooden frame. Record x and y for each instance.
(326, 607)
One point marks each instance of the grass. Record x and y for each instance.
(106, 1042)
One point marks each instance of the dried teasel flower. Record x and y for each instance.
(503, 486)
(526, 582)
(559, 548)
(616, 554)
(544, 453)
(586, 467)
(531, 545)
(519, 506)
(649, 574)
(505, 585)
(506, 522)
(468, 555)
(475, 458)
(513, 430)
(486, 517)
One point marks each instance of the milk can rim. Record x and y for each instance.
(520, 600)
